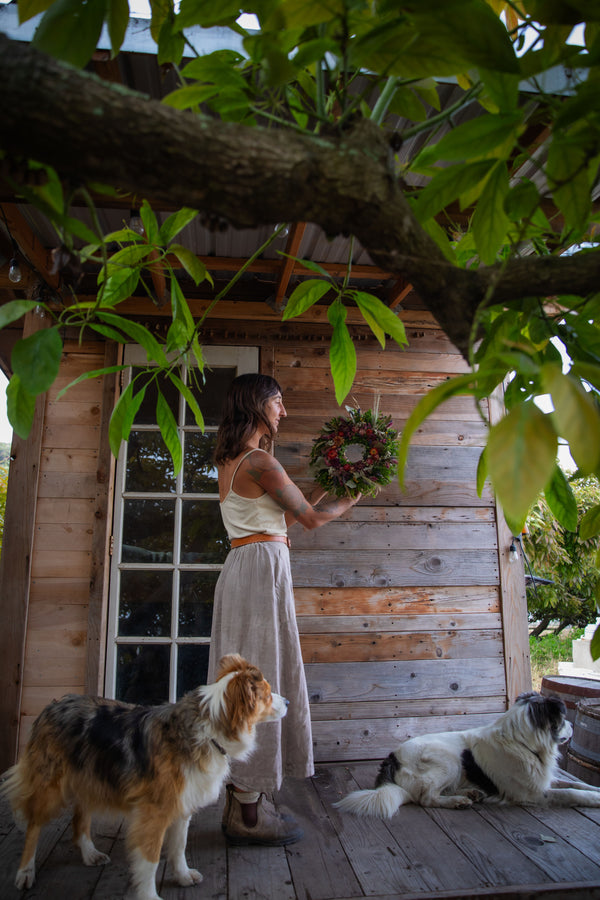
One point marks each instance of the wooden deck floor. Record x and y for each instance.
(485, 851)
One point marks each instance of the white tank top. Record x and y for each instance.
(251, 515)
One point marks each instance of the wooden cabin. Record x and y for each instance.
(411, 617)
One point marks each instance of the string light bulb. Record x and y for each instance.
(135, 221)
(513, 553)
(14, 271)
(285, 229)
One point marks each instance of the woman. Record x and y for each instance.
(254, 610)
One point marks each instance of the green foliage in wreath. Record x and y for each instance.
(367, 467)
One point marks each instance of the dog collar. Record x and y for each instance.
(218, 746)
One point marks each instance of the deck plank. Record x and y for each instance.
(379, 862)
(319, 866)
(544, 844)
(497, 860)
(440, 862)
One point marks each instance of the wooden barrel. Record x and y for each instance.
(570, 689)
(583, 754)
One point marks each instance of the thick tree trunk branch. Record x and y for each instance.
(89, 130)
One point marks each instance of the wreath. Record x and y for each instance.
(356, 454)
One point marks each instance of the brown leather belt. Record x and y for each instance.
(259, 539)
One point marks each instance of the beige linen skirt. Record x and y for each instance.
(254, 615)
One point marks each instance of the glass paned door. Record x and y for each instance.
(169, 543)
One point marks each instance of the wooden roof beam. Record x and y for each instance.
(292, 247)
(29, 246)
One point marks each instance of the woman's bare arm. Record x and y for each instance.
(267, 472)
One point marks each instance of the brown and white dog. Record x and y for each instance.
(155, 765)
(511, 761)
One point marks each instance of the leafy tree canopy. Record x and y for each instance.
(562, 557)
(303, 126)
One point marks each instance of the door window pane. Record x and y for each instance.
(145, 605)
(203, 536)
(200, 474)
(149, 464)
(211, 395)
(196, 595)
(148, 531)
(192, 667)
(143, 673)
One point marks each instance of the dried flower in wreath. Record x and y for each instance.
(356, 454)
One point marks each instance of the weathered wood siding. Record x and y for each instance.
(57, 628)
(399, 601)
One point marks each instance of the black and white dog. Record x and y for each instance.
(511, 761)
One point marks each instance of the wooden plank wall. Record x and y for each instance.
(398, 603)
(56, 643)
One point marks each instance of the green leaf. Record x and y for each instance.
(305, 295)
(449, 184)
(96, 373)
(189, 399)
(476, 138)
(569, 180)
(36, 359)
(521, 451)
(176, 223)
(440, 236)
(382, 314)
(123, 415)
(501, 88)
(177, 336)
(490, 223)
(117, 21)
(137, 333)
(20, 407)
(590, 523)
(150, 223)
(180, 308)
(342, 354)
(576, 416)
(171, 44)
(69, 30)
(595, 644)
(192, 264)
(14, 309)
(125, 258)
(168, 429)
(308, 264)
(207, 13)
(521, 200)
(482, 471)
(30, 8)
(561, 499)
(118, 287)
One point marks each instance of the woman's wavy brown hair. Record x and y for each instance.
(243, 412)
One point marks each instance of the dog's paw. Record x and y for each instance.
(25, 878)
(191, 876)
(476, 795)
(462, 802)
(93, 857)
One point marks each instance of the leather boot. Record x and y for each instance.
(271, 829)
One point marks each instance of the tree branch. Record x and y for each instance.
(89, 130)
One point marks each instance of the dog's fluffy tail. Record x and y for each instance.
(382, 801)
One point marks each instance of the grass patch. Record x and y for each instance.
(548, 650)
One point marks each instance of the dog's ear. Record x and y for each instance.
(242, 698)
(546, 712)
(233, 662)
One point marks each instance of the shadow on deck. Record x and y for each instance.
(486, 851)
